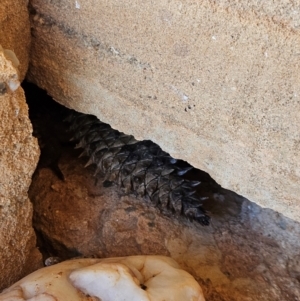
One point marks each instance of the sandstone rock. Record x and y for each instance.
(18, 149)
(215, 83)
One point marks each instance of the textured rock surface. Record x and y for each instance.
(213, 82)
(248, 253)
(15, 31)
(18, 151)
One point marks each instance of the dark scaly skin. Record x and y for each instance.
(139, 167)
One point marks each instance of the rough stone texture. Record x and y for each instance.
(18, 152)
(248, 253)
(215, 83)
(15, 31)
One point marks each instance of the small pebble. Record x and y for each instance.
(52, 260)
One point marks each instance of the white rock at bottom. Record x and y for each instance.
(133, 278)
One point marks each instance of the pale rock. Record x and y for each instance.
(109, 281)
(133, 278)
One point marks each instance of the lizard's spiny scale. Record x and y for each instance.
(141, 167)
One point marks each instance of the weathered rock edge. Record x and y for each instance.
(214, 84)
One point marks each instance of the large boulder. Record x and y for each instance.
(19, 151)
(215, 83)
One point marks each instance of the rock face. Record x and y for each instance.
(18, 149)
(248, 253)
(213, 83)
